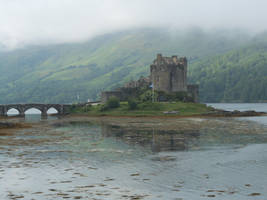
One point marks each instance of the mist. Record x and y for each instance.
(31, 22)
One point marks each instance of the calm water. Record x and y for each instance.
(259, 107)
(221, 159)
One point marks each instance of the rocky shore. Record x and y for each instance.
(7, 125)
(8, 128)
(235, 113)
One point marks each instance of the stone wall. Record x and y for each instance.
(169, 74)
(123, 94)
(193, 91)
(142, 82)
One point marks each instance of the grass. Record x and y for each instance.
(146, 109)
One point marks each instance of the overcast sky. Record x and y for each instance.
(24, 22)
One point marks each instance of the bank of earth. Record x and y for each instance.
(158, 109)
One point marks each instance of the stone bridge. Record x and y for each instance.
(22, 108)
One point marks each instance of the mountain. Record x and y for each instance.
(61, 73)
(236, 76)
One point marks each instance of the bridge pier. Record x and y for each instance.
(44, 112)
(61, 110)
(2, 111)
(21, 110)
(21, 114)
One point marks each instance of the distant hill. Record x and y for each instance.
(236, 76)
(60, 73)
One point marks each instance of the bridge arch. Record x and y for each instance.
(58, 107)
(12, 112)
(33, 110)
(40, 107)
(14, 107)
(52, 110)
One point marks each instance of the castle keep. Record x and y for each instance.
(167, 74)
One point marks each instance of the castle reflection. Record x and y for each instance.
(157, 140)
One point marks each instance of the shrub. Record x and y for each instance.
(113, 102)
(147, 96)
(102, 108)
(87, 108)
(75, 109)
(132, 104)
(175, 96)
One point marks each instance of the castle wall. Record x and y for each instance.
(169, 74)
(123, 94)
(193, 91)
(160, 79)
(142, 82)
(179, 80)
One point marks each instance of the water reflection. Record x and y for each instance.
(100, 160)
(157, 140)
(33, 118)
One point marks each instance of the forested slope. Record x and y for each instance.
(237, 76)
(60, 73)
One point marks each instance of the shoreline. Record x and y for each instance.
(9, 128)
(182, 123)
(227, 114)
(223, 114)
(161, 110)
(164, 124)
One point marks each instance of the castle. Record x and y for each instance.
(167, 74)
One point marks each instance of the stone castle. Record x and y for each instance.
(167, 74)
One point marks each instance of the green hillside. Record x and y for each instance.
(237, 76)
(60, 73)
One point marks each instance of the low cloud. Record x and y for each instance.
(57, 21)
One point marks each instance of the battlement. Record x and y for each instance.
(174, 60)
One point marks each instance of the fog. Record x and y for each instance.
(57, 21)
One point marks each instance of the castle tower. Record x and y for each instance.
(169, 74)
